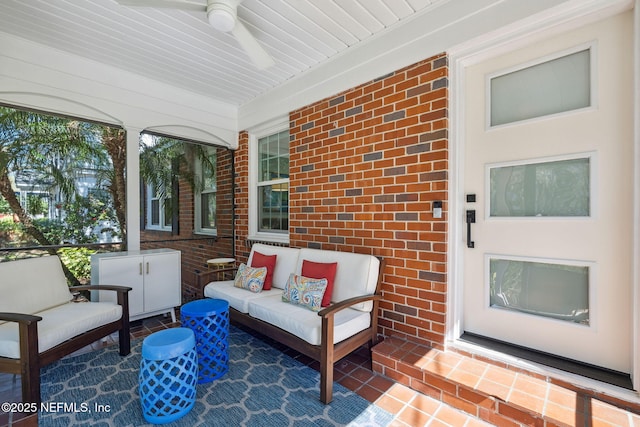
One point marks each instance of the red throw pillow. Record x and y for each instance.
(269, 261)
(321, 270)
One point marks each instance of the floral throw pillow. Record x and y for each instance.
(250, 278)
(305, 291)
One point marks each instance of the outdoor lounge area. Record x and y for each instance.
(300, 212)
(412, 402)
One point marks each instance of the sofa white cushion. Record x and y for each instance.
(356, 274)
(304, 323)
(32, 285)
(286, 261)
(59, 324)
(238, 298)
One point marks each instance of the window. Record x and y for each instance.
(556, 188)
(160, 165)
(158, 209)
(557, 85)
(269, 182)
(554, 290)
(273, 183)
(66, 178)
(206, 194)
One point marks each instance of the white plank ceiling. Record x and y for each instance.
(180, 48)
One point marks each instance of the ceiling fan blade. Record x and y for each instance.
(170, 4)
(258, 55)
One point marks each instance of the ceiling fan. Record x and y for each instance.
(223, 16)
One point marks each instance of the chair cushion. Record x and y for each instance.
(237, 298)
(267, 261)
(304, 323)
(59, 324)
(32, 285)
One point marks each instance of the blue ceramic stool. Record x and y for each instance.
(209, 320)
(168, 375)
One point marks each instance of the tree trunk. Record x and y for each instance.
(10, 196)
(115, 143)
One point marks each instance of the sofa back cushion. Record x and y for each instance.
(286, 261)
(258, 260)
(321, 270)
(356, 274)
(32, 285)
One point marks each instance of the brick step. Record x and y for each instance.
(497, 393)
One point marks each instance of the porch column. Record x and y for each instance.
(133, 188)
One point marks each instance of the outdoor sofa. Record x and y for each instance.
(327, 334)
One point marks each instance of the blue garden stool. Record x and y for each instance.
(209, 320)
(168, 375)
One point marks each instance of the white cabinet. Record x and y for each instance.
(153, 275)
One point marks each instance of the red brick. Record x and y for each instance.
(377, 225)
(519, 416)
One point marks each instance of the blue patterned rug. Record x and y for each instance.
(263, 387)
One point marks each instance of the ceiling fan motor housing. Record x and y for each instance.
(222, 14)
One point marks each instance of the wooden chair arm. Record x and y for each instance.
(208, 273)
(334, 308)
(100, 288)
(27, 319)
(123, 297)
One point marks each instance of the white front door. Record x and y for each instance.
(548, 157)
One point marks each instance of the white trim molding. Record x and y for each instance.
(636, 204)
(446, 24)
(36, 77)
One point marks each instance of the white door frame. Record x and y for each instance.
(567, 16)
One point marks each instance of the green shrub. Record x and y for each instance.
(10, 232)
(4, 206)
(78, 261)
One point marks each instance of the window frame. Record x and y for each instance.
(152, 195)
(273, 127)
(197, 197)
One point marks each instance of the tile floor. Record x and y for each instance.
(354, 372)
(503, 394)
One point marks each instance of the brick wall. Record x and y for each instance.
(242, 197)
(365, 168)
(196, 249)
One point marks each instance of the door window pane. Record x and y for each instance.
(556, 291)
(552, 87)
(549, 189)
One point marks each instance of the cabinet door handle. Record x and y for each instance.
(140, 269)
(147, 268)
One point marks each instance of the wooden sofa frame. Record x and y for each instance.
(327, 353)
(31, 360)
